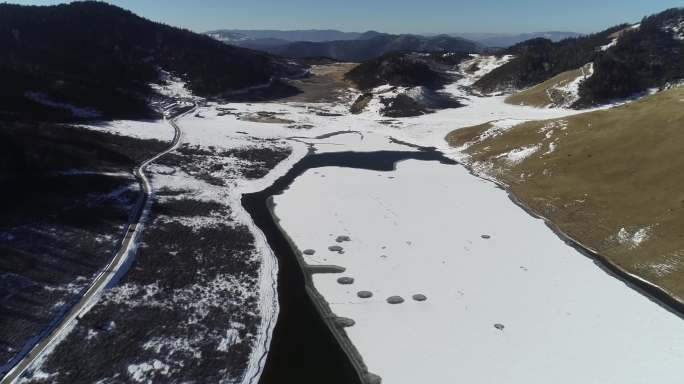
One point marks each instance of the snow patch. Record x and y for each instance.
(173, 87)
(38, 375)
(670, 264)
(148, 372)
(633, 239)
(552, 148)
(616, 39)
(72, 288)
(609, 45)
(174, 345)
(480, 65)
(498, 127)
(516, 156)
(232, 337)
(676, 27)
(570, 91)
(91, 334)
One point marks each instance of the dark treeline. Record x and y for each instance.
(643, 58)
(405, 69)
(27, 149)
(103, 57)
(539, 59)
(372, 45)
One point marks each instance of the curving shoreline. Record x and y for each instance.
(107, 275)
(293, 267)
(653, 292)
(447, 256)
(323, 308)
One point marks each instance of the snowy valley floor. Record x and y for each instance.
(520, 306)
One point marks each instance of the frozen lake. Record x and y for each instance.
(418, 230)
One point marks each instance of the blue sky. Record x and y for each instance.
(395, 16)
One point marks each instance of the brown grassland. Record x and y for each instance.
(546, 93)
(326, 84)
(606, 178)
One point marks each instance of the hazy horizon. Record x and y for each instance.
(397, 16)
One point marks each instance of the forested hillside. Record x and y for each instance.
(539, 59)
(101, 58)
(628, 59)
(648, 57)
(371, 45)
(405, 69)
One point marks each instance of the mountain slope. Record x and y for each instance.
(372, 45)
(102, 57)
(609, 179)
(650, 56)
(559, 91)
(402, 70)
(406, 83)
(627, 60)
(505, 41)
(539, 59)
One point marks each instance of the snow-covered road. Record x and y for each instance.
(108, 274)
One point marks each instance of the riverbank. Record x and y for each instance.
(372, 135)
(604, 179)
(296, 277)
(474, 280)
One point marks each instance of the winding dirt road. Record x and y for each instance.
(112, 270)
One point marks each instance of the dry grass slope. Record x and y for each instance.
(610, 179)
(542, 95)
(326, 84)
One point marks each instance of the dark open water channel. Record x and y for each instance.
(303, 349)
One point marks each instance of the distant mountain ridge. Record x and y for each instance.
(313, 35)
(363, 49)
(260, 38)
(366, 46)
(506, 40)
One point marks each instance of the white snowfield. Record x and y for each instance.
(417, 230)
(518, 307)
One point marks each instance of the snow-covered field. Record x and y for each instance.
(563, 319)
(520, 306)
(551, 300)
(418, 230)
